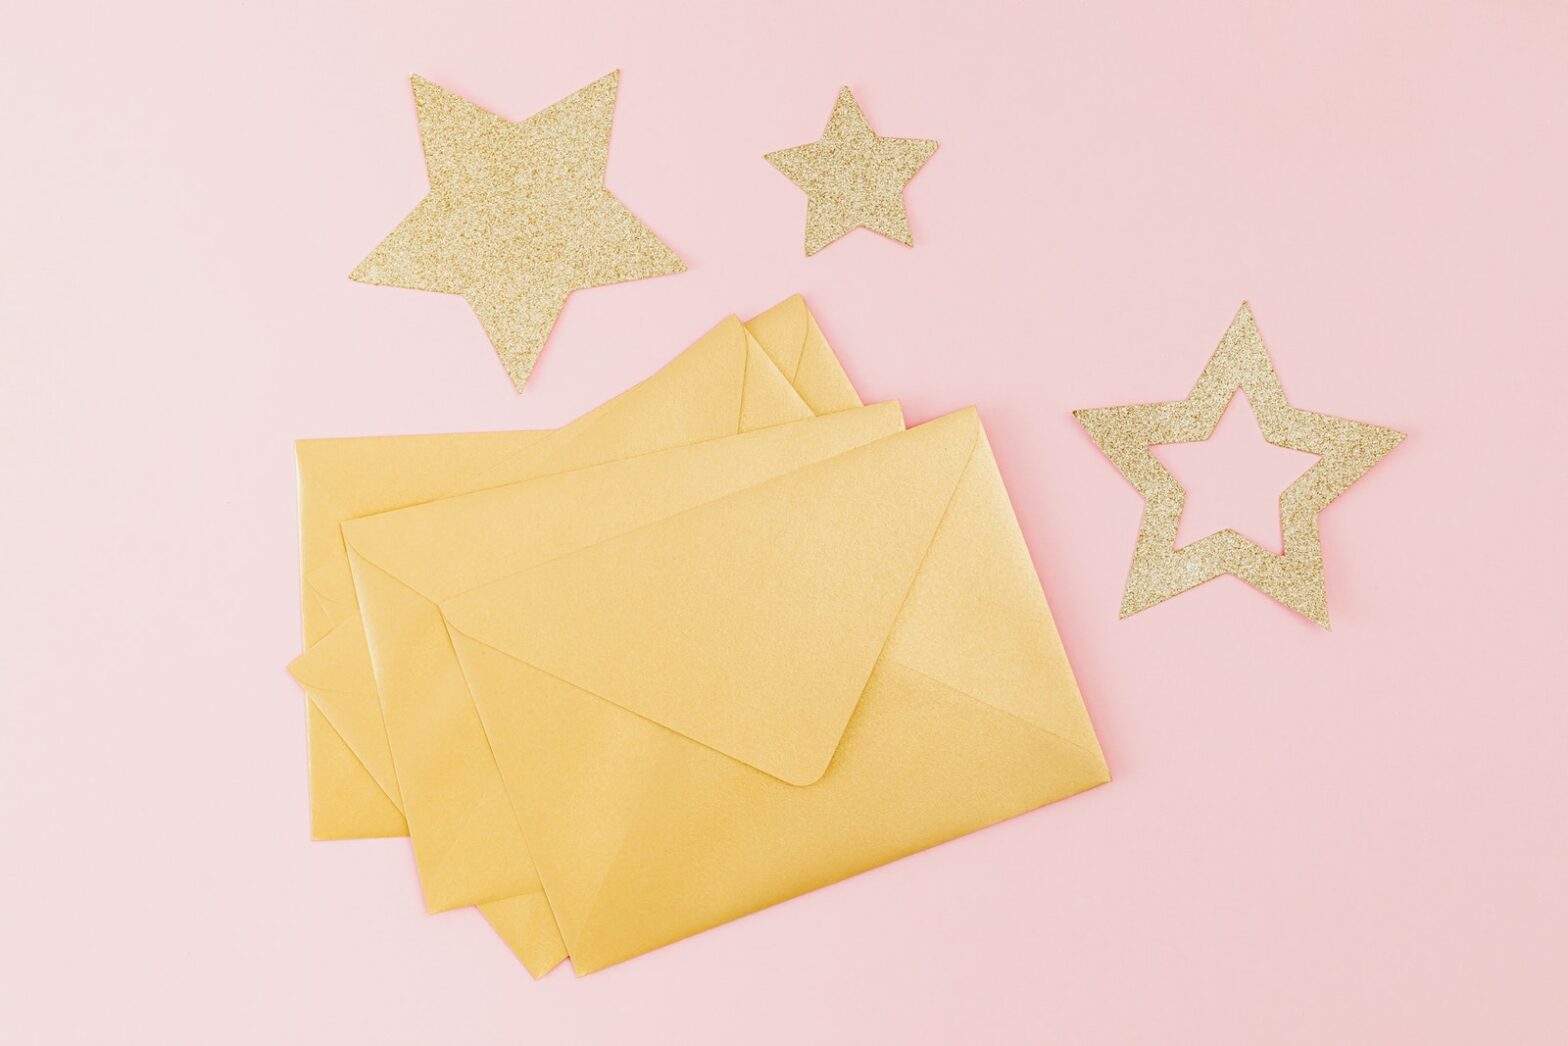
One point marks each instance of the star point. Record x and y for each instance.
(517, 216)
(853, 177)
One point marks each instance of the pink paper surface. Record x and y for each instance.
(1351, 836)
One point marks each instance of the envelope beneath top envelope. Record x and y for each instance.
(723, 384)
(773, 690)
(353, 791)
(466, 839)
(340, 479)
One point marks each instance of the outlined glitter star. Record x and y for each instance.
(853, 178)
(1346, 449)
(517, 216)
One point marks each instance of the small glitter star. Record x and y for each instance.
(853, 178)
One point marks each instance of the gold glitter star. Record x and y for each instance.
(853, 178)
(517, 216)
(1346, 450)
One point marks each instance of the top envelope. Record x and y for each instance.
(774, 690)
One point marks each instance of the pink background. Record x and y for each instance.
(1346, 837)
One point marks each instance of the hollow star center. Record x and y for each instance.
(1233, 479)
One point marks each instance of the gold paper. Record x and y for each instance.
(1346, 449)
(733, 700)
(517, 217)
(853, 178)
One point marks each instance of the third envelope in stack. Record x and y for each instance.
(729, 637)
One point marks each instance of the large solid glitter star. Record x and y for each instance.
(1346, 449)
(853, 178)
(517, 217)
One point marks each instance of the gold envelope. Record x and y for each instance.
(340, 479)
(774, 690)
(722, 384)
(353, 787)
(465, 835)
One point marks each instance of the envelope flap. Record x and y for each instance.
(723, 384)
(749, 624)
(977, 620)
(789, 334)
(340, 662)
(446, 547)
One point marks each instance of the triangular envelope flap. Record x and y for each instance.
(820, 378)
(790, 336)
(699, 395)
(767, 398)
(526, 925)
(345, 801)
(320, 615)
(547, 786)
(782, 333)
(463, 828)
(977, 621)
(337, 675)
(445, 547)
(749, 624)
(340, 661)
(643, 836)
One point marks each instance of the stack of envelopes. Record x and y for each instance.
(727, 638)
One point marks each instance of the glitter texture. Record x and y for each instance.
(517, 217)
(853, 178)
(1346, 448)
